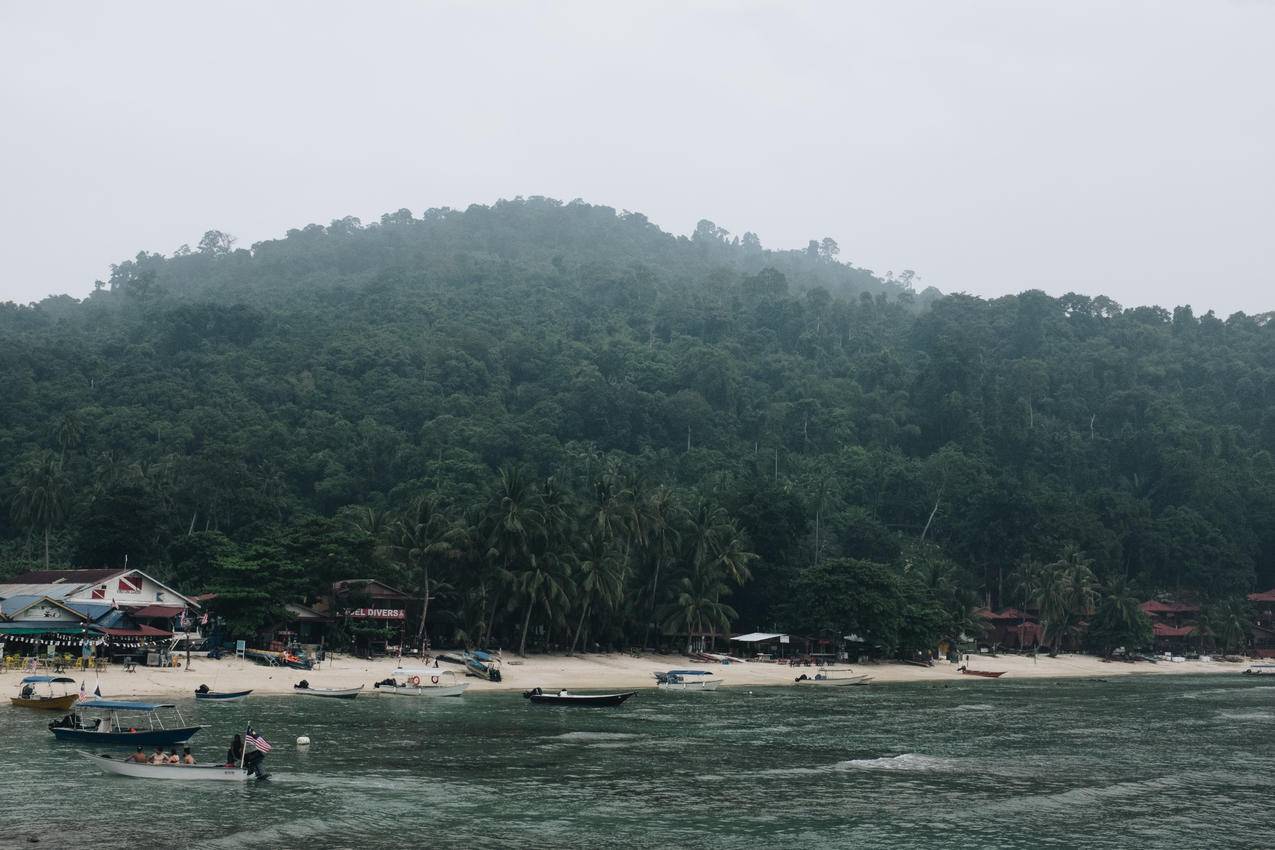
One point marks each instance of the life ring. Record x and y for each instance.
(433, 680)
(415, 681)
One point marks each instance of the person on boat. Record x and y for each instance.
(202, 689)
(28, 691)
(158, 756)
(138, 757)
(173, 758)
(236, 750)
(187, 758)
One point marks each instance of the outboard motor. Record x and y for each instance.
(303, 684)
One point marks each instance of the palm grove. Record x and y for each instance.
(557, 425)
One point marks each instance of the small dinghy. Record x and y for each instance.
(303, 687)
(686, 680)
(178, 772)
(536, 695)
(833, 679)
(203, 693)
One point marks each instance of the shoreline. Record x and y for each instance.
(594, 672)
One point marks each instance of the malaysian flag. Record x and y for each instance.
(257, 741)
(83, 693)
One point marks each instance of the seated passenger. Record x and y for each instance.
(138, 757)
(187, 758)
(158, 756)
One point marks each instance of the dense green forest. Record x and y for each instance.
(565, 425)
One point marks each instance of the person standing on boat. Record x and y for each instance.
(236, 750)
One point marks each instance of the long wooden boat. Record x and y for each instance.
(583, 700)
(124, 723)
(330, 693)
(178, 772)
(423, 682)
(222, 696)
(29, 696)
(986, 674)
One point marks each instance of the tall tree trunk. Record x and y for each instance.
(526, 623)
(491, 620)
(580, 625)
(46, 547)
(420, 632)
(655, 584)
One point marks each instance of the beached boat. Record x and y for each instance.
(32, 695)
(484, 665)
(122, 723)
(986, 674)
(221, 696)
(687, 680)
(536, 695)
(332, 693)
(833, 679)
(178, 772)
(422, 682)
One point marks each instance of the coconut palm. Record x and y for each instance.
(599, 580)
(696, 606)
(42, 497)
(663, 516)
(511, 525)
(418, 539)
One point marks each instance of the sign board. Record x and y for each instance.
(240, 647)
(784, 639)
(377, 614)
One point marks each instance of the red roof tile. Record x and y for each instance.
(1163, 631)
(1268, 596)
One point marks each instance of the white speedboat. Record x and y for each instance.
(686, 680)
(1260, 670)
(423, 682)
(834, 679)
(331, 693)
(179, 772)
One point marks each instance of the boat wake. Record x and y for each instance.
(906, 762)
(977, 706)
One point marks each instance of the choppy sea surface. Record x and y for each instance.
(1127, 762)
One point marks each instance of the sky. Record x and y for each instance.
(1119, 148)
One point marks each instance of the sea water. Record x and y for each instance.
(1127, 762)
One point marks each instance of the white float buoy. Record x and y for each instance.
(303, 740)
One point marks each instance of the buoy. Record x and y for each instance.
(303, 740)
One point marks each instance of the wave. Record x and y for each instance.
(906, 762)
(1247, 715)
(588, 737)
(977, 706)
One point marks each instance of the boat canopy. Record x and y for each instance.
(123, 705)
(757, 637)
(59, 680)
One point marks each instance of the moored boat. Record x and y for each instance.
(122, 723)
(422, 682)
(687, 680)
(832, 679)
(483, 665)
(220, 696)
(303, 687)
(30, 696)
(986, 674)
(179, 772)
(562, 697)
(1260, 670)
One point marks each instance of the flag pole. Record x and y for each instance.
(243, 751)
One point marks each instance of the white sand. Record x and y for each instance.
(600, 672)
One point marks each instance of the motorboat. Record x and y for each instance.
(202, 693)
(123, 723)
(422, 682)
(483, 665)
(31, 695)
(1260, 670)
(178, 772)
(833, 679)
(687, 680)
(303, 687)
(562, 697)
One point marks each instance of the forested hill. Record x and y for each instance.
(285, 409)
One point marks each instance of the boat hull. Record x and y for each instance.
(61, 703)
(425, 690)
(330, 693)
(213, 696)
(172, 772)
(834, 683)
(986, 674)
(703, 685)
(140, 738)
(579, 700)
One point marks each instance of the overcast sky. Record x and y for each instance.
(1120, 148)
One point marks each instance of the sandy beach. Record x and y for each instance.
(603, 671)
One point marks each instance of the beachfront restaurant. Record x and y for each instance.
(373, 613)
(65, 617)
(764, 646)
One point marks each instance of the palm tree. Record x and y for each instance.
(1228, 623)
(417, 539)
(599, 580)
(70, 433)
(43, 493)
(1062, 592)
(697, 606)
(1119, 619)
(664, 515)
(545, 583)
(513, 522)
